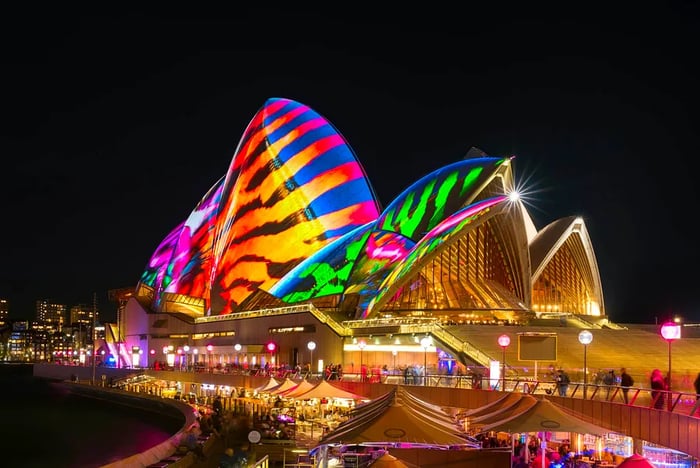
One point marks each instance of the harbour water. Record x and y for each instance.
(43, 424)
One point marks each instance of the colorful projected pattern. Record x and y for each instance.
(382, 252)
(158, 264)
(295, 216)
(426, 203)
(442, 233)
(190, 266)
(324, 273)
(294, 185)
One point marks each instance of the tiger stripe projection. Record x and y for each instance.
(296, 217)
(294, 185)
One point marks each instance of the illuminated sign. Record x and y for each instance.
(297, 329)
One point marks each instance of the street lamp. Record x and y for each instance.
(238, 347)
(361, 344)
(585, 338)
(503, 342)
(425, 342)
(187, 357)
(311, 345)
(271, 347)
(394, 353)
(180, 352)
(670, 331)
(210, 348)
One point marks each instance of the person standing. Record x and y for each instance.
(562, 382)
(626, 381)
(227, 460)
(218, 405)
(697, 387)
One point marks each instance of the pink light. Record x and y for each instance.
(210, 348)
(503, 341)
(271, 346)
(670, 331)
(153, 351)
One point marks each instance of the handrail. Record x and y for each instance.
(472, 351)
(325, 318)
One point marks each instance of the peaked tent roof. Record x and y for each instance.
(303, 386)
(325, 390)
(544, 416)
(283, 387)
(636, 461)
(390, 420)
(516, 407)
(270, 384)
(388, 461)
(506, 400)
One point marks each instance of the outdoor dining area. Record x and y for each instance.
(330, 426)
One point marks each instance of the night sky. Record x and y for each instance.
(115, 125)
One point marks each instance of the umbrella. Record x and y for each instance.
(544, 416)
(635, 461)
(388, 461)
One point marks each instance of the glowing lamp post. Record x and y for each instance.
(425, 342)
(670, 331)
(361, 344)
(210, 348)
(585, 338)
(311, 345)
(271, 347)
(180, 353)
(394, 353)
(186, 348)
(238, 347)
(503, 342)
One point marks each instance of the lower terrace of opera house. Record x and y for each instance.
(637, 347)
(459, 356)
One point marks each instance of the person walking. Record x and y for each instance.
(563, 381)
(657, 389)
(609, 381)
(626, 381)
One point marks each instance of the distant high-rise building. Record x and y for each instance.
(81, 322)
(20, 342)
(51, 314)
(81, 315)
(4, 311)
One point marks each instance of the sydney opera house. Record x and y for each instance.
(289, 257)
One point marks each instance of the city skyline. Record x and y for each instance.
(119, 124)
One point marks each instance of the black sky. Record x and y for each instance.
(115, 125)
